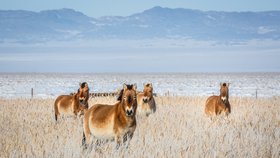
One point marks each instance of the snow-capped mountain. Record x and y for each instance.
(66, 25)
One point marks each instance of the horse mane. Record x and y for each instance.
(224, 84)
(120, 95)
(83, 85)
(129, 87)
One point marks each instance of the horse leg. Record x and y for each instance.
(127, 137)
(118, 141)
(84, 144)
(55, 116)
(87, 132)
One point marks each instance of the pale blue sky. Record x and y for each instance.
(55, 59)
(94, 8)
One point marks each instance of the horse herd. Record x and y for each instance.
(118, 121)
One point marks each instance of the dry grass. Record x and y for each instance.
(179, 128)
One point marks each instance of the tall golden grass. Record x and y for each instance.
(179, 128)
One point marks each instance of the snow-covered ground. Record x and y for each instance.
(182, 84)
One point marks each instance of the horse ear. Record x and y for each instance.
(134, 86)
(124, 86)
(80, 84)
(148, 85)
(228, 84)
(221, 84)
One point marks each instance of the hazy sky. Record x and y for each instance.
(122, 59)
(250, 58)
(94, 8)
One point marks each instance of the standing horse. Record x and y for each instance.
(215, 105)
(112, 121)
(72, 104)
(146, 101)
(84, 94)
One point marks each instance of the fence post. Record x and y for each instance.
(32, 92)
(256, 93)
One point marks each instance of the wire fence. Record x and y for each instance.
(33, 93)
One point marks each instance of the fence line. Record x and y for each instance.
(105, 94)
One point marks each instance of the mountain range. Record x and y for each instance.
(20, 26)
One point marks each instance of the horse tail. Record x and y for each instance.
(55, 110)
(84, 144)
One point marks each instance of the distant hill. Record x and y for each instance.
(21, 26)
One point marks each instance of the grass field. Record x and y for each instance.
(179, 128)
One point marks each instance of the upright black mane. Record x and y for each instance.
(83, 85)
(129, 86)
(120, 95)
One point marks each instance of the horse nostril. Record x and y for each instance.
(145, 100)
(129, 112)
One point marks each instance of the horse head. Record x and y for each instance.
(83, 93)
(128, 99)
(148, 92)
(224, 90)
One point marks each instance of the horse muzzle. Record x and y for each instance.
(146, 99)
(129, 112)
(224, 99)
(82, 101)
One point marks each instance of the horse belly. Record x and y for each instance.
(65, 108)
(210, 107)
(103, 130)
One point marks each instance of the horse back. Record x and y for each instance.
(100, 112)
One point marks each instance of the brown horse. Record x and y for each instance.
(215, 105)
(84, 94)
(112, 121)
(72, 104)
(146, 101)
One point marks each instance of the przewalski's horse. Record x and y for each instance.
(72, 104)
(146, 101)
(215, 105)
(112, 121)
(84, 94)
